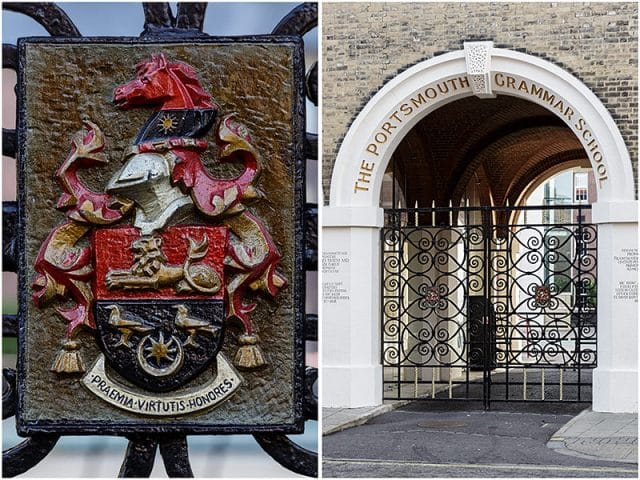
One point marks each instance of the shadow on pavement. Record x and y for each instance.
(460, 439)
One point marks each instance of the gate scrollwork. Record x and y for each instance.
(470, 308)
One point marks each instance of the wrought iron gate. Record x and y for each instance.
(489, 304)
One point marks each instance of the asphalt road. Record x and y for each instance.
(451, 439)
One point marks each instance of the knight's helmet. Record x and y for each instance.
(145, 177)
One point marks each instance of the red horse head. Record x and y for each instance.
(172, 85)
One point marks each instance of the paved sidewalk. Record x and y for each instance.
(602, 436)
(338, 419)
(592, 435)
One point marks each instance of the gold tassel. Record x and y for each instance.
(68, 359)
(249, 355)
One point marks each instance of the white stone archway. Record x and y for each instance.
(351, 280)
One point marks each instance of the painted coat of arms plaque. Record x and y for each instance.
(161, 220)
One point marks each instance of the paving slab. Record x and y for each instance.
(338, 419)
(597, 435)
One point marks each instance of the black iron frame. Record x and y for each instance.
(446, 297)
(162, 26)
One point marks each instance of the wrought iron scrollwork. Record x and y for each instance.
(175, 456)
(311, 246)
(53, 18)
(312, 327)
(9, 325)
(9, 233)
(312, 83)
(298, 21)
(9, 396)
(471, 296)
(311, 394)
(289, 454)
(311, 146)
(139, 458)
(9, 56)
(27, 454)
(160, 21)
(8, 142)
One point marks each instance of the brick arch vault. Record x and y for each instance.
(351, 222)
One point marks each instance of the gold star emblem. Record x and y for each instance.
(167, 123)
(159, 349)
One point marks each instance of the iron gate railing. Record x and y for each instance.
(483, 303)
(160, 22)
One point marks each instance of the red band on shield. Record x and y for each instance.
(181, 262)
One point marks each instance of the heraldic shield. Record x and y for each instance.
(159, 307)
(166, 288)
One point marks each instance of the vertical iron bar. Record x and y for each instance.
(508, 312)
(400, 254)
(9, 236)
(595, 312)
(157, 16)
(383, 232)
(175, 456)
(579, 247)
(138, 460)
(486, 374)
(404, 190)
(9, 142)
(190, 15)
(433, 213)
(10, 61)
(433, 382)
(394, 180)
(381, 306)
(467, 299)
